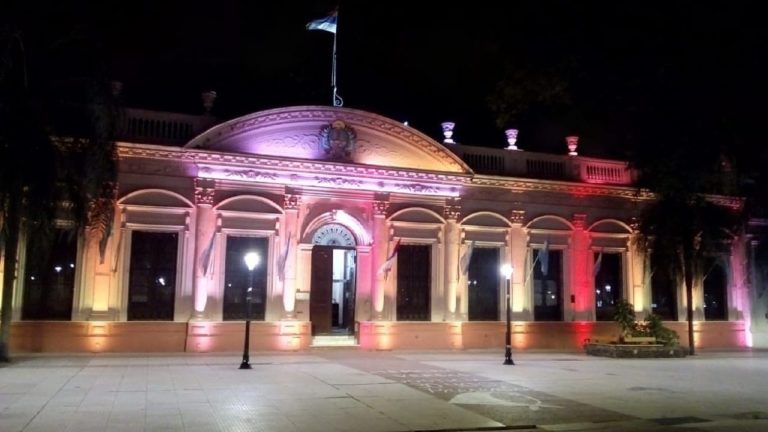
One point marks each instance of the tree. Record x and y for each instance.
(681, 231)
(27, 177)
(42, 174)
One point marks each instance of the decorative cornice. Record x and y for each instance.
(240, 167)
(733, 203)
(517, 217)
(575, 189)
(339, 181)
(126, 150)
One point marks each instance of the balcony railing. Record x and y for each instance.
(526, 164)
(154, 127)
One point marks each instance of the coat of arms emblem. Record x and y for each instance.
(338, 141)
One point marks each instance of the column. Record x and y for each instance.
(517, 244)
(452, 237)
(639, 286)
(101, 291)
(205, 231)
(581, 299)
(380, 244)
(290, 239)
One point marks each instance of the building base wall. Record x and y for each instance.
(156, 337)
(217, 336)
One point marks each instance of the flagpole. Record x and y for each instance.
(337, 100)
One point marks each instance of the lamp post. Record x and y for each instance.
(251, 261)
(506, 271)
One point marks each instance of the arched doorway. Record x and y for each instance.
(332, 293)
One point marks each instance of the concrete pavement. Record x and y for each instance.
(351, 390)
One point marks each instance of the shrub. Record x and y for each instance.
(652, 326)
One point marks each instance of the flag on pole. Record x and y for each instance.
(466, 258)
(598, 262)
(281, 262)
(326, 24)
(205, 257)
(544, 258)
(387, 266)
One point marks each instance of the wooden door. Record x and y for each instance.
(320, 291)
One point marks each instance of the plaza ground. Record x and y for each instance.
(354, 390)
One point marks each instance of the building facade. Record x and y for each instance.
(358, 228)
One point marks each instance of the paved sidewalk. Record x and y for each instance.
(350, 390)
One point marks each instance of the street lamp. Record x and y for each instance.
(252, 260)
(506, 271)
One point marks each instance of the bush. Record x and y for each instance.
(651, 327)
(625, 317)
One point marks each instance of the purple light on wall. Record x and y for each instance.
(332, 182)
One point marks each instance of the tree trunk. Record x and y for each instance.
(688, 277)
(9, 276)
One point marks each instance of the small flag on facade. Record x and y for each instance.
(206, 263)
(544, 258)
(466, 258)
(283, 258)
(387, 266)
(598, 262)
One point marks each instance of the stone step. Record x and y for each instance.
(334, 341)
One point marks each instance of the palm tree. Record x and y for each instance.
(38, 171)
(681, 233)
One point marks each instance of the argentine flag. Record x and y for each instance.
(328, 23)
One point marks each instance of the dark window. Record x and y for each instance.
(152, 279)
(663, 290)
(414, 267)
(237, 278)
(483, 279)
(548, 287)
(49, 282)
(715, 291)
(609, 285)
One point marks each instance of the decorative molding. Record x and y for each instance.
(733, 203)
(572, 188)
(126, 151)
(204, 191)
(338, 141)
(452, 209)
(416, 188)
(634, 223)
(579, 221)
(380, 208)
(291, 202)
(339, 181)
(517, 217)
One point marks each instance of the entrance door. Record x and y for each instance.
(320, 311)
(332, 296)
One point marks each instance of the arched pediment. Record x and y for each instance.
(550, 222)
(249, 204)
(610, 226)
(155, 198)
(417, 215)
(486, 219)
(339, 217)
(330, 133)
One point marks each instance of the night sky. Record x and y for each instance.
(622, 75)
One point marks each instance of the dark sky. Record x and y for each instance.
(620, 74)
